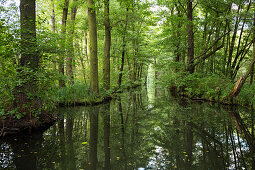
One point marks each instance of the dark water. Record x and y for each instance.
(139, 130)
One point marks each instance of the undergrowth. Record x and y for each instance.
(207, 86)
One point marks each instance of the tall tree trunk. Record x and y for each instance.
(85, 65)
(29, 59)
(217, 32)
(178, 34)
(29, 56)
(93, 47)
(123, 50)
(232, 44)
(86, 47)
(133, 48)
(253, 51)
(239, 84)
(70, 58)
(191, 67)
(63, 32)
(53, 17)
(107, 47)
(133, 61)
(53, 29)
(82, 66)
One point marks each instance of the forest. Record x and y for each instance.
(83, 52)
(90, 74)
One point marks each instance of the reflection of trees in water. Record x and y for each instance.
(124, 134)
(107, 119)
(93, 137)
(216, 139)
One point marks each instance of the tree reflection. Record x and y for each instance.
(107, 125)
(93, 137)
(171, 133)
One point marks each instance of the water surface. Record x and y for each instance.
(139, 130)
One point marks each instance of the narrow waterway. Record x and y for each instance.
(139, 130)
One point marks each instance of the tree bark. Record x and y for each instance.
(93, 47)
(53, 17)
(178, 34)
(253, 51)
(63, 31)
(70, 58)
(29, 59)
(191, 67)
(123, 50)
(232, 43)
(107, 47)
(53, 29)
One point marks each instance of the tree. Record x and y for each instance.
(70, 58)
(25, 99)
(239, 84)
(191, 67)
(61, 67)
(106, 67)
(93, 46)
(124, 44)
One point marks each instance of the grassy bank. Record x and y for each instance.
(208, 87)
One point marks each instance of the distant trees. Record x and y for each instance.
(209, 41)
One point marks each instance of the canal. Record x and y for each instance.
(140, 129)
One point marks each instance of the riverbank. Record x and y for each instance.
(13, 126)
(212, 88)
(77, 97)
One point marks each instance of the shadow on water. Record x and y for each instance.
(146, 130)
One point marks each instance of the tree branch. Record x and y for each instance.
(182, 6)
(205, 51)
(208, 55)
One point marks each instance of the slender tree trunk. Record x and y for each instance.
(93, 47)
(107, 47)
(77, 46)
(123, 50)
(226, 49)
(129, 69)
(217, 32)
(133, 79)
(239, 84)
(232, 44)
(133, 61)
(178, 34)
(70, 58)
(191, 67)
(29, 59)
(86, 47)
(53, 29)
(63, 32)
(253, 51)
(53, 17)
(238, 51)
(86, 64)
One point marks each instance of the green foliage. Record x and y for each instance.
(247, 95)
(208, 86)
(71, 94)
